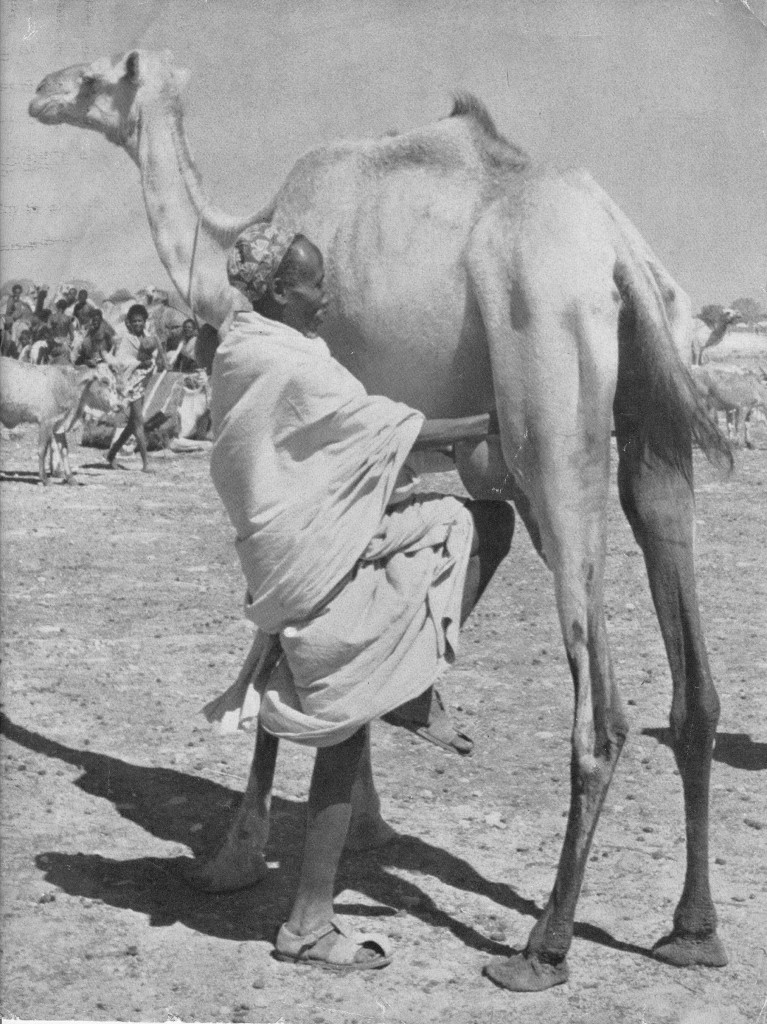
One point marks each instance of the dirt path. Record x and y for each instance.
(121, 616)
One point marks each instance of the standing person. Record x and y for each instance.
(62, 332)
(15, 310)
(357, 587)
(134, 358)
(42, 337)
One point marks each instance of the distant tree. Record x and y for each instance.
(710, 314)
(750, 309)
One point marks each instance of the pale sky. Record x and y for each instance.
(664, 101)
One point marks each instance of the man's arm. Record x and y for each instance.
(443, 433)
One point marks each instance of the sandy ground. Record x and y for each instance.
(121, 617)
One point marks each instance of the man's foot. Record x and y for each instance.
(333, 947)
(147, 469)
(112, 463)
(426, 717)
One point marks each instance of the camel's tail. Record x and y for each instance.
(657, 405)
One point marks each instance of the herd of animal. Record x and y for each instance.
(466, 279)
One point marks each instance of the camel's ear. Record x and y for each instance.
(133, 68)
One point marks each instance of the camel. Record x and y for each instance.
(736, 392)
(464, 278)
(705, 337)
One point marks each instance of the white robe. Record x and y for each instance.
(363, 597)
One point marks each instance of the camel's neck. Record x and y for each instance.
(190, 235)
(717, 333)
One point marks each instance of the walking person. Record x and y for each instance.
(134, 358)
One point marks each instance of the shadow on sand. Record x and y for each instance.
(732, 748)
(186, 809)
(20, 476)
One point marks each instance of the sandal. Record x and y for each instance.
(438, 729)
(297, 949)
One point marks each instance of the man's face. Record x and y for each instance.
(187, 329)
(136, 323)
(16, 291)
(305, 301)
(82, 295)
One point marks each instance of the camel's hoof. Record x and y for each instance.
(208, 876)
(524, 973)
(369, 834)
(687, 951)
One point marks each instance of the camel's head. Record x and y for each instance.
(107, 95)
(731, 316)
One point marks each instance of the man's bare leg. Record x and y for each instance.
(239, 861)
(367, 829)
(335, 772)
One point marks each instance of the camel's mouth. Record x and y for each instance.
(44, 108)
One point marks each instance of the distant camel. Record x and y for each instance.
(705, 337)
(736, 392)
(462, 277)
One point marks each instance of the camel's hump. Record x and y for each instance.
(467, 105)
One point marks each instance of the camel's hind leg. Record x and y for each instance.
(568, 499)
(555, 368)
(659, 504)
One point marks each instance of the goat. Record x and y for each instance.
(54, 397)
